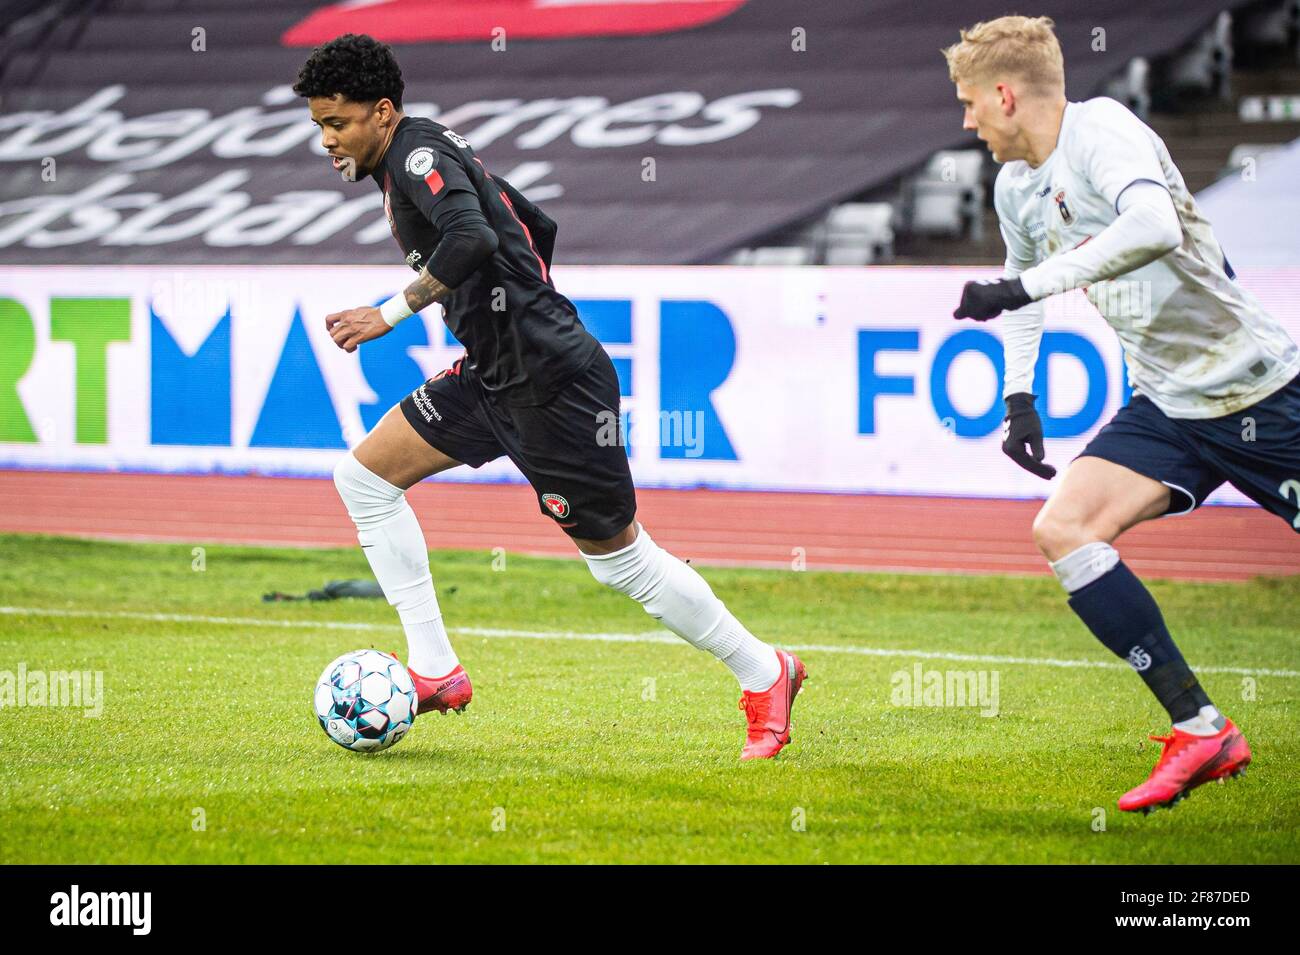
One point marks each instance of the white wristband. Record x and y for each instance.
(395, 309)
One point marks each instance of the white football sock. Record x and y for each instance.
(674, 593)
(392, 541)
(1205, 723)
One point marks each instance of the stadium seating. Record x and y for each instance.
(1273, 24)
(859, 233)
(1207, 66)
(1133, 86)
(947, 196)
(779, 255)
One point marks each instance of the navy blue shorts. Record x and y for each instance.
(1256, 450)
(570, 449)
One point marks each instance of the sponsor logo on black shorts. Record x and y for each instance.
(556, 505)
(424, 405)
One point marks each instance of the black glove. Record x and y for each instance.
(1023, 426)
(984, 300)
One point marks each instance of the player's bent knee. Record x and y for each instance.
(342, 474)
(367, 496)
(347, 475)
(607, 545)
(1056, 535)
(1047, 532)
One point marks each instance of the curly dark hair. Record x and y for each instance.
(358, 66)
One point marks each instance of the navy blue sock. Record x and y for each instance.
(1123, 615)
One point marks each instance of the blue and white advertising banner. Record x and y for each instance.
(845, 380)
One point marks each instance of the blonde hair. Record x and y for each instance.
(1025, 47)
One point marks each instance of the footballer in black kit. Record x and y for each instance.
(533, 385)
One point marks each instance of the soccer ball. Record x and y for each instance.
(365, 700)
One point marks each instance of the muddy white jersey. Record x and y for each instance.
(1195, 342)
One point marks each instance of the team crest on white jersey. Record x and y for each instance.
(1066, 215)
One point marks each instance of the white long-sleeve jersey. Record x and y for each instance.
(1195, 342)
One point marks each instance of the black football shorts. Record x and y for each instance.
(571, 449)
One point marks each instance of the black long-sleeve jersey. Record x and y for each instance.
(522, 337)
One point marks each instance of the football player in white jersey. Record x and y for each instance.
(1089, 198)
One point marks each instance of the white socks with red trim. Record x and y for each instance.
(392, 541)
(672, 592)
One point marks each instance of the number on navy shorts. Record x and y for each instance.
(1289, 487)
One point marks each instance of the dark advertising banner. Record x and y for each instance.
(164, 131)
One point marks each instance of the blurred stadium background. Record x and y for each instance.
(766, 213)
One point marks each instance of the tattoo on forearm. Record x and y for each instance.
(424, 291)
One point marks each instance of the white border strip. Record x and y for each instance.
(660, 636)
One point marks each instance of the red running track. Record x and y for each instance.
(835, 531)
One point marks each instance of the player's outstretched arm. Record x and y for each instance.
(467, 242)
(988, 299)
(356, 325)
(1147, 228)
(424, 291)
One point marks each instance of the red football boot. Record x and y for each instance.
(768, 711)
(1186, 762)
(450, 692)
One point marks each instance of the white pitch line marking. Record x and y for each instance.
(647, 637)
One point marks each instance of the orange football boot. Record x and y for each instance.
(1186, 762)
(768, 711)
(450, 692)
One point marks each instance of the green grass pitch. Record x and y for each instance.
(584, 750)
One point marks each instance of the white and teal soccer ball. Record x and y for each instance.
(365, 700)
